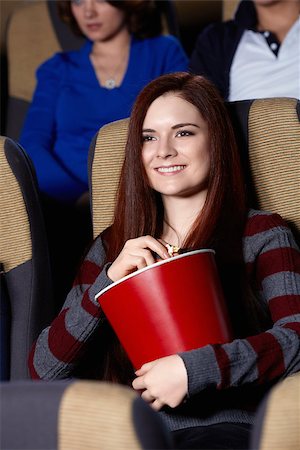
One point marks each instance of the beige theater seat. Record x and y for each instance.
(229, 7)
(277, 423)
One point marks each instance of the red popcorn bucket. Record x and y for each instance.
(171, 306)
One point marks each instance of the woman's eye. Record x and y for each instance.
(184, 133)
(77, 2)
(147, 138)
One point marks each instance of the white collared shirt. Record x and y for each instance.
(257, 72)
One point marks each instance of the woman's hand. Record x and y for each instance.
(136, 254)
(162, 382)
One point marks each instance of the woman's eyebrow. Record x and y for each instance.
(174, 127)
(180, 125)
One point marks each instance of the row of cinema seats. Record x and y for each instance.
(89, 415)
(268, 133)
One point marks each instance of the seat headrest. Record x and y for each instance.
(15, 236)
(107, 160)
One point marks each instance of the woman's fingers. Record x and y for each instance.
(164, 379)
(149, 243)
(138, 384)
(136, 254)
(157, 247)
(143, 258)
(157, 405)
(145, 368)
(147, 396)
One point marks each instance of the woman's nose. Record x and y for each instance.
(89, 8)
(166, 148)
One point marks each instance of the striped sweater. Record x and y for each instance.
(226, 381)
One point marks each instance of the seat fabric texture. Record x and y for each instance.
(268, 135)
(26, 276)
(277, 421)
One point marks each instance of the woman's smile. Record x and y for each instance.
(170, 170)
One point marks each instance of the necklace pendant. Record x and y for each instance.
(110, 83)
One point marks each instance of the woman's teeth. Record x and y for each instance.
(170, 169)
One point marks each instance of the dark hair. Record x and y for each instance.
(142, 16)
(222, 218)
(220, 224)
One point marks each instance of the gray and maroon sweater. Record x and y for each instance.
(225, 381)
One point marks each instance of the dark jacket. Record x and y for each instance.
(217, 44)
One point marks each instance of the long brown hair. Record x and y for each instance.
(143, 17)
(139, 209)
(220, 225)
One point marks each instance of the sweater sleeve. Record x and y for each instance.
(59, 347)
(39, 130)
(273, 256)
(175, 58)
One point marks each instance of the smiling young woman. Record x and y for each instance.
(181, 183)
(224, 184)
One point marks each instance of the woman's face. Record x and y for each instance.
(176, 148)
(98, 20)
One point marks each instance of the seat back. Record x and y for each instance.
(25, 277)
(268, 135)
(105, 160)
(277, 428)
(228, 8)
(78, 415)
(34, 33)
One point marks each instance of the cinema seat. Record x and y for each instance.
(26, 284)
(268, 134)
(277, 421)
(77, 415)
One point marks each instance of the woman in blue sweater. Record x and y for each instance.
(79, 91)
